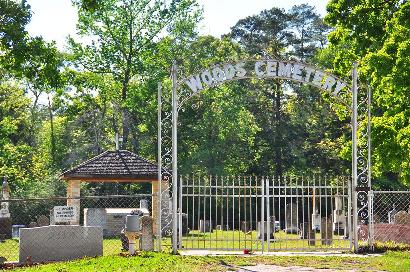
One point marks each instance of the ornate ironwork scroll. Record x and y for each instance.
(164, 163)
(364, 162)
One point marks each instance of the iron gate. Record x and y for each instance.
(264, 213)
(356, 99)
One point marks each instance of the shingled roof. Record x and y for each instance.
(114, 165)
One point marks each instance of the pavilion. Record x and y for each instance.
(113, 166)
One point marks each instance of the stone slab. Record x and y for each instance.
(205, 226)
(5, 228)
(326, 231)
(147, 234)
(60, 243)
(265, 235)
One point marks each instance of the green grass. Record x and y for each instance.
(391, 261)
(9, 249)
(111, 261)
(239, 241)
(146, 262)
(236, 240)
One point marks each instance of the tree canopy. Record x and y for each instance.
(58, 108)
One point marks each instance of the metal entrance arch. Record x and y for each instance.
(169, 105)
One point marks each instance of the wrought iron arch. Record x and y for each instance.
(263, 68)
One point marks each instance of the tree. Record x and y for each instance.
(123, 32)
(308, 32)
(295, 34)
(15, 154)
(376, 34)
(13, 36)
(27, 64)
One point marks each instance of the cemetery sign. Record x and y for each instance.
(279, 69)
(65, 214)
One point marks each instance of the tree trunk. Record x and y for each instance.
(52, 138)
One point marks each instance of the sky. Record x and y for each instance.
(55, 19)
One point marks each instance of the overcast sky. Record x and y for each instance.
(55, 19)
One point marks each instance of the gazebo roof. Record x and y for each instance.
(119, 165)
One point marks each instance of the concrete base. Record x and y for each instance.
(60, 243)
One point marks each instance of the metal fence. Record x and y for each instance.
(234, 213)
(109, 212)
(264, 213)
(390, 213)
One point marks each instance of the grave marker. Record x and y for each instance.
(326, 231)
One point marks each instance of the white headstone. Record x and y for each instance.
(338, 202)
(5, 195)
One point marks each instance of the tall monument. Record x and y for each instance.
(5, 220)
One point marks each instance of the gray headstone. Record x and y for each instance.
(266, 234)
(205, 225)
(292, 217)
(402, 218)
(312, 237)
(147, 234)
(246, 226)
(326, 231)
(316, 220)
(124, 240)
(144, 204)
(338, 202)
(5, 228)
(185, 229)
(304, 230)
(339, 222)
(308, 233)
(5, 195)
(60, 243)
(391, 215)
(33, 225)
(42, 221)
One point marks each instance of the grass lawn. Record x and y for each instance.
(236, 240)
(239, 240)
(391, 261)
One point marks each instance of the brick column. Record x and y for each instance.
(154, 205)
(73, 191)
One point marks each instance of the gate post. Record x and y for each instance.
(369, 166)
(180, 213)
(262, 225)
(174, 159)
(159, 160)
(268, 231)
(354, 157)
